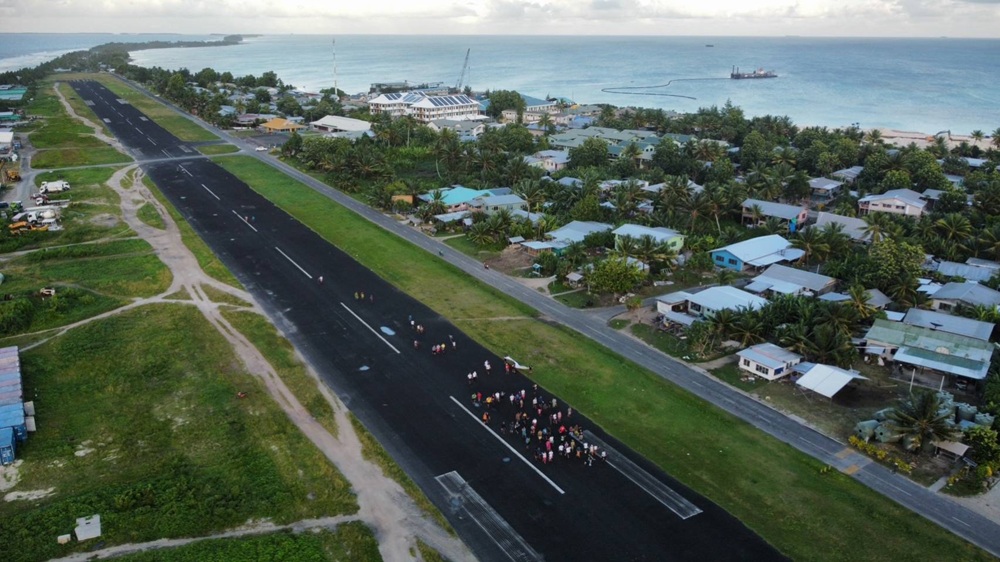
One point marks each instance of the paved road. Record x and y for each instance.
(938, 508)
(506, 506)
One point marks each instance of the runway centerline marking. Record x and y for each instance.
(214, 195)
(506, 444)
(244, 221)
(385, 341)
(304, 272)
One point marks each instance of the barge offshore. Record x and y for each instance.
(759, 73)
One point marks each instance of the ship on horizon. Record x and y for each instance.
(759, 73)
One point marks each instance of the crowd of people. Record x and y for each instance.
(539, 424)
(536, 422)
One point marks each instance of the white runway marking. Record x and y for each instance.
(660, 491)
(304, 272)
(183, 169)
(510, 542)
(244, 221)
(151, 141)
(512, 449)
(213, 193)
(385, 341)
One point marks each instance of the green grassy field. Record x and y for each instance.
(351, 542)
(778, 492)
(61, 140)
(281, 355)
(149, 215)
(214, 149)
(138, 420)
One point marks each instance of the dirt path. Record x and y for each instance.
(393, 516)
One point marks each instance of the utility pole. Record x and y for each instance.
(336, 92)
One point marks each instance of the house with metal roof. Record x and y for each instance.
(687, 307)
(576, 231)
(952, 295)
(491, 204)
(661, 235)
(851, 226)
(549, 160)
(336, 124)
(792, 215)
(928, 351)
(825, 188)
(457, 197)
(967, 271)
(467, 130)
(756, 253)
(896, 201)
(767, 361)
(942, 322)
(784, 280)
(849, 175)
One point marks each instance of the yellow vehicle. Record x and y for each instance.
(18, 226)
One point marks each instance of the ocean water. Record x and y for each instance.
(925, 85)
(26, 50)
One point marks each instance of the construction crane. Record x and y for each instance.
(465, 72)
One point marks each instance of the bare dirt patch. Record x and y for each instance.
(28, 495)
(512, 260)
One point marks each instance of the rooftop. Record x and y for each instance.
(660, 234)
(763, 250)
(772, 209)
(726, 297)
(970, 293)
(576, 231)
(942, 322)
(853, 227)
(769, 355)
(807, 279)
(942, 351)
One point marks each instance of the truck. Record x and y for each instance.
(53, 186)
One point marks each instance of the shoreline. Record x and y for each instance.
(923, 140)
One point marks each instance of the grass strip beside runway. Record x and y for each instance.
(139, 421)
(777, 491)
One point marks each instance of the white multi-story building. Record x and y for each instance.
(425, 108)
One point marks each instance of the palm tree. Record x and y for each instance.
(875, 226)
(786, 155)
(977, 136)
(859, 301)
(954, 227)
(626, 246)
(874, 136)
(838, 315)
(996, 138)
(920, 418)
(749, 328)
(698, 207)
(812, 243)
(481, 234)
(723, 322)
(827, 344)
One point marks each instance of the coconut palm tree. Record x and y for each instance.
(698, 207)
(723, 322)
(532, 193)
(785, 155)
(977, 136)
(481, 234)
(859, 301)
(812, 242)
(995, 138)
(875, 226)
(839, 315)
(626, 246)
(827, 344)
(874, 136)
(954, 227)
(749, 328)
(920, 418)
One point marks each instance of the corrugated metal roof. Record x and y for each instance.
(754, 248)
(769, 355)
(970, 293)
(772, 209)
(807, 279)
(827, 379)
(940, 321)
(725, 297)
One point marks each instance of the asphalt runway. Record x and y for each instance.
(504, 504)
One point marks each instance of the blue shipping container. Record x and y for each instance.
(8, 448)
(12, 416)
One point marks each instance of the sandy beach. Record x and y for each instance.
(922, 140)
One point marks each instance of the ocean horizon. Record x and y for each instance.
(923, 85)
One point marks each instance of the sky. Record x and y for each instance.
(836, 18)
